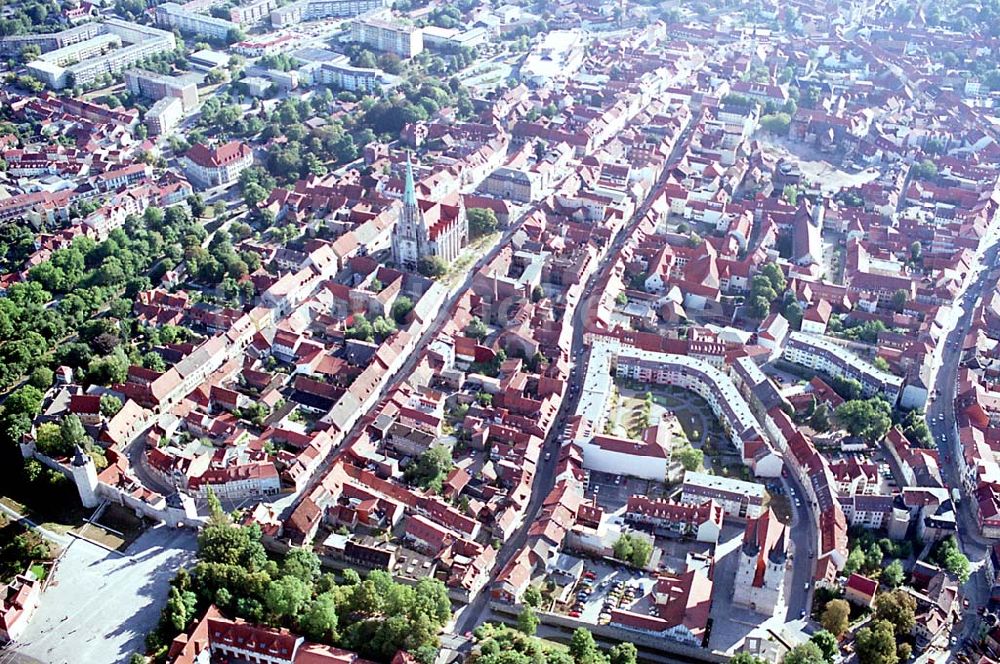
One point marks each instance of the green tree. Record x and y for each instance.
(217, 515)
(41, 378)
(232, 545)
(820, 419)
(793, 314)
(790, 194)
(27, 399)
(477, 329)
(153, 360)
(947, 554)
(876, 644)
(776, 123)
(898, 608)
(827, 643)
(432, 266)
(73, 433)
(286, 597)
(925, 170)
(401, 308)
(254, 195)
(583, 649)
(383, 327)
(527, 621)
(623, 653)
(110, 405)
(892, 575)
(430, 468)
(805, 653)
(689, 457)
(301, 563)
(633, 549)
(836, 616)
(532, 597)
(855, 561)
(319, 621)
(49, 441)
(868, 419)
(746, 658)
(482, 221)
(899, 299)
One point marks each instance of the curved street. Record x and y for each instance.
(941, 420)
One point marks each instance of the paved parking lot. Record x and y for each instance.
(603, 585)
(101, 604)
(613, 491)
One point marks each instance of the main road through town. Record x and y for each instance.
(544, 480)
(943, 425)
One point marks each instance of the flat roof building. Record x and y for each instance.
(314, 10)
(404, 40)
(157, 86)
(120, 45)
(172, 15)
(820, 354)
(163, 116)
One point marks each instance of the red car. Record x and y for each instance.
(574, 614)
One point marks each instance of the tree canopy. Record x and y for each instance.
(375, 617)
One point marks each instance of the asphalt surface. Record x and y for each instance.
(943, 426)
(101, 604)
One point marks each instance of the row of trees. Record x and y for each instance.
(500, 644)
(765, 287)
(375, 617)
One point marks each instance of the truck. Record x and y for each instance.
(956, 497)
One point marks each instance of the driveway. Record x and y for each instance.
(101, 604)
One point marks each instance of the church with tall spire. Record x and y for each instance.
(426, 228)
(760, 572)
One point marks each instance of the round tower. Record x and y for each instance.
(85, 478)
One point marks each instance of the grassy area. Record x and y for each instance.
(21, 548)
(60, 520)
(781, 505)
(476, 248)
(116, 528)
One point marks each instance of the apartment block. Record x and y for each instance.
(820, 354)
(738, 498)
(51, 41)
(314, 10)
(164, 115)
(253, 12)
(405, 41)
(171, 15)
(157, 86)
(101, 54)
(347, 77)
(85, 50)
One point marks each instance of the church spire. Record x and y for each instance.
(410, 190)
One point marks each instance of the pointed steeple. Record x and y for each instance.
(410, 190)
(751, 539)
(779, 554)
